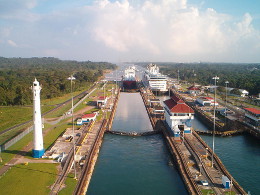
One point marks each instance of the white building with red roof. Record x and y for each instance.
(206, 101)
(178, 115)
(193, 90)
(252, 117)
(89, 117)
(102, 100)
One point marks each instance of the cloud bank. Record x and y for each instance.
(167, 30)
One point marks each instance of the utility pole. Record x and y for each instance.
(71, 78)
(226, 104)
(214, 128)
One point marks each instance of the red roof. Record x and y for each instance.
(102, 97)
(177, 105)
(253, 110)
(208, 98)
(193, 88)
(89, 115)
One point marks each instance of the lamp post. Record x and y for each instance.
(116, 81)
(214, 127)
(226, 103)
(71, 78)
(178, 76)
(105, 99)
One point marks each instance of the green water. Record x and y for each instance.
(142, 165)
(134, 165)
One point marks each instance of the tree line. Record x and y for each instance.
(242, 76)
(18, 74)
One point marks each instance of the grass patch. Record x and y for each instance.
(49, 139)
(19, 113)
(34, 178)
(70, 183)
(230, 193)
(59, 112)
(207, 192)
(8, 154)
(12, 133)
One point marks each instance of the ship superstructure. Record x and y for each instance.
(129, 79)
(153, 79)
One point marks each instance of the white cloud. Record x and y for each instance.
(12, 43)
(166, 30)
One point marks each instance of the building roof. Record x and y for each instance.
(208, 98)
(89, 115)
(253, 110)
(177, 105)
(193, 88)
(102, 97)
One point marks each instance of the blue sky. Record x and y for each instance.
(132, 30)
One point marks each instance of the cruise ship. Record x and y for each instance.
(153, 79)
(129, 80)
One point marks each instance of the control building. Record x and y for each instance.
(178, 116)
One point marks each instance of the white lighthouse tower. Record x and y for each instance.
(38, 149)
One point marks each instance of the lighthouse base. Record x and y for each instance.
(38, 153)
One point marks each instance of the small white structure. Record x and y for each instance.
(79, 121)
(243, 92)
(252, 117)
(206, 101)
(38, 150)
(102, 100)
(229, 89)
(226, 182)
(193, 90)
(178, 116)
(89, 117)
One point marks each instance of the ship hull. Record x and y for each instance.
(129, 84)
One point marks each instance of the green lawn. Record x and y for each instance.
(12, 133)
(50, 138)
(13, 115)
(70, 183)
(8, 154)
(207, 192)
(34, 178)
(19, 113)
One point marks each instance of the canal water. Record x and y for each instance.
(134, 165)
(142, 165)
(240, 154)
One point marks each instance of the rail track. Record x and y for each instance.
(81, 185)
(220, 166)
(204, 171)
(181, 160)
(67, 166)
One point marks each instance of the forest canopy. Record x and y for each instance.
(17, 75)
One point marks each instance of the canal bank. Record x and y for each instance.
(134, 165)
(239, 153)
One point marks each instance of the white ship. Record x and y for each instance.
(153, 79)
(129, 79)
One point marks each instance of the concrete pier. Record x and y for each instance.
(193, 158)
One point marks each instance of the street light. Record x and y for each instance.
(226, 104)
(213, 142)
(105, 98)
(71, 78)
(178, 77)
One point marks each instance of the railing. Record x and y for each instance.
(221, 166)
